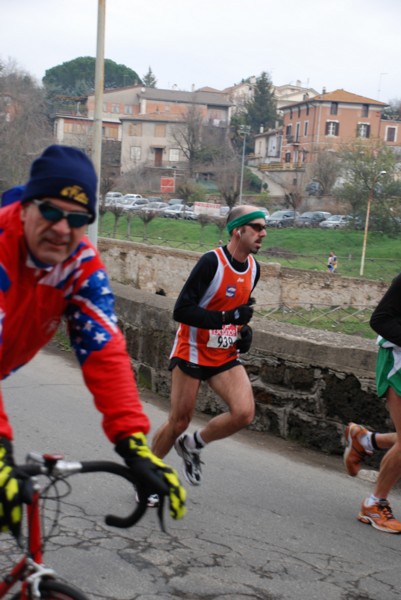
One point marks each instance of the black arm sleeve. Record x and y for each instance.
(386, 318)
(187, 309)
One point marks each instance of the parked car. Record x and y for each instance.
(111, 198)
(282, 218)
(135, 204)
(311, 218)
(180, 211)
(174, 201)
(132, 196)
(336, 221)
(314, 188)
(156, 207)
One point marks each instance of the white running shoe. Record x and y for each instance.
(192, 461)
(153, 500)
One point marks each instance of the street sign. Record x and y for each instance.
(167, 185)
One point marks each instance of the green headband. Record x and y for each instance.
(244, 219)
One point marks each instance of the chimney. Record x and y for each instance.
(261, 129)
(324, 90)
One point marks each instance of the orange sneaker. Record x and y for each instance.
(354, 451)
(380, 516)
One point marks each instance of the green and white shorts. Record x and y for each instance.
(388, 368)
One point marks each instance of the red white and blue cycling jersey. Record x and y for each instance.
(33, 302)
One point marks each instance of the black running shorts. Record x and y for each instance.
(198, 371)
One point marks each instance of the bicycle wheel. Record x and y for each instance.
(57, 590)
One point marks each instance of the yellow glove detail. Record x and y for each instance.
(152, 473)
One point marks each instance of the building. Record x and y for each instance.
(327, 121)
(145, 123)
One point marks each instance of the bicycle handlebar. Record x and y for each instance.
(56, 467)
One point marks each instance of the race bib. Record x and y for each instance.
(222, 338)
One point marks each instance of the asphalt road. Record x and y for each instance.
(271, 521)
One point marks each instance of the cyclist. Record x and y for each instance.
(212, 309)
(49, 270)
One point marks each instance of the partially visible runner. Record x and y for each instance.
(50, 271)
(213, 310)
(386, 321)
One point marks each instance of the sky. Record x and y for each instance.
(350, 44)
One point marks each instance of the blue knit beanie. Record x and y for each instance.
(66, 173)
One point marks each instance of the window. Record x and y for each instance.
(174, 155)
(306, 127)
(299, 111)
(288, 131)
(160, 130)
(391, 134)
(307, 109)
(128, 110)
(135, 129)
(290, 113)
(288, 157)
(111, 133)
(115, 108)
(363, 130)
(135, 153)
(297, 128)
(332, 128)
(334, 108)
(365, 110)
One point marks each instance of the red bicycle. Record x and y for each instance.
(34, 578)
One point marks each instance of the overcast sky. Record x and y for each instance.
(349, 44)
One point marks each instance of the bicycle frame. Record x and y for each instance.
(29, 570)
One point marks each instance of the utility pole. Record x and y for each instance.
(245, 130)
(98, 114)
(365, 234)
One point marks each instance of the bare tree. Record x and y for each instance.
(188, 136)
(25, 129)
(146, 217)
(227, 173)
(326, 168)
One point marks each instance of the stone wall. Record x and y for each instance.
(163, 271)
(307, 384)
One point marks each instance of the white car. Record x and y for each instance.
(156, 207)
(112, 198)
(335, 222)
(180, 211)
(132, 196)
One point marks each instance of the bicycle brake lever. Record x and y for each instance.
(160, 514)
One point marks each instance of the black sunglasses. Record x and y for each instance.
(54, 214)
(256, 226)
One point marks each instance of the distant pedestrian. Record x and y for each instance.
(332, 263)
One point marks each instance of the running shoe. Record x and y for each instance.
(192, 461)
(380, 516)
(153, 500)
(354, 451)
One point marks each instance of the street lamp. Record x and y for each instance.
(365, 235)
(245, 130)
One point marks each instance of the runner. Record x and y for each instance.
(213, 309)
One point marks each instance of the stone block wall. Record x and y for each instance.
(164, 271)
(307, 384)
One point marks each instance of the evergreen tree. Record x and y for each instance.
(261, 110)
(77, 77)
(149, 80)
